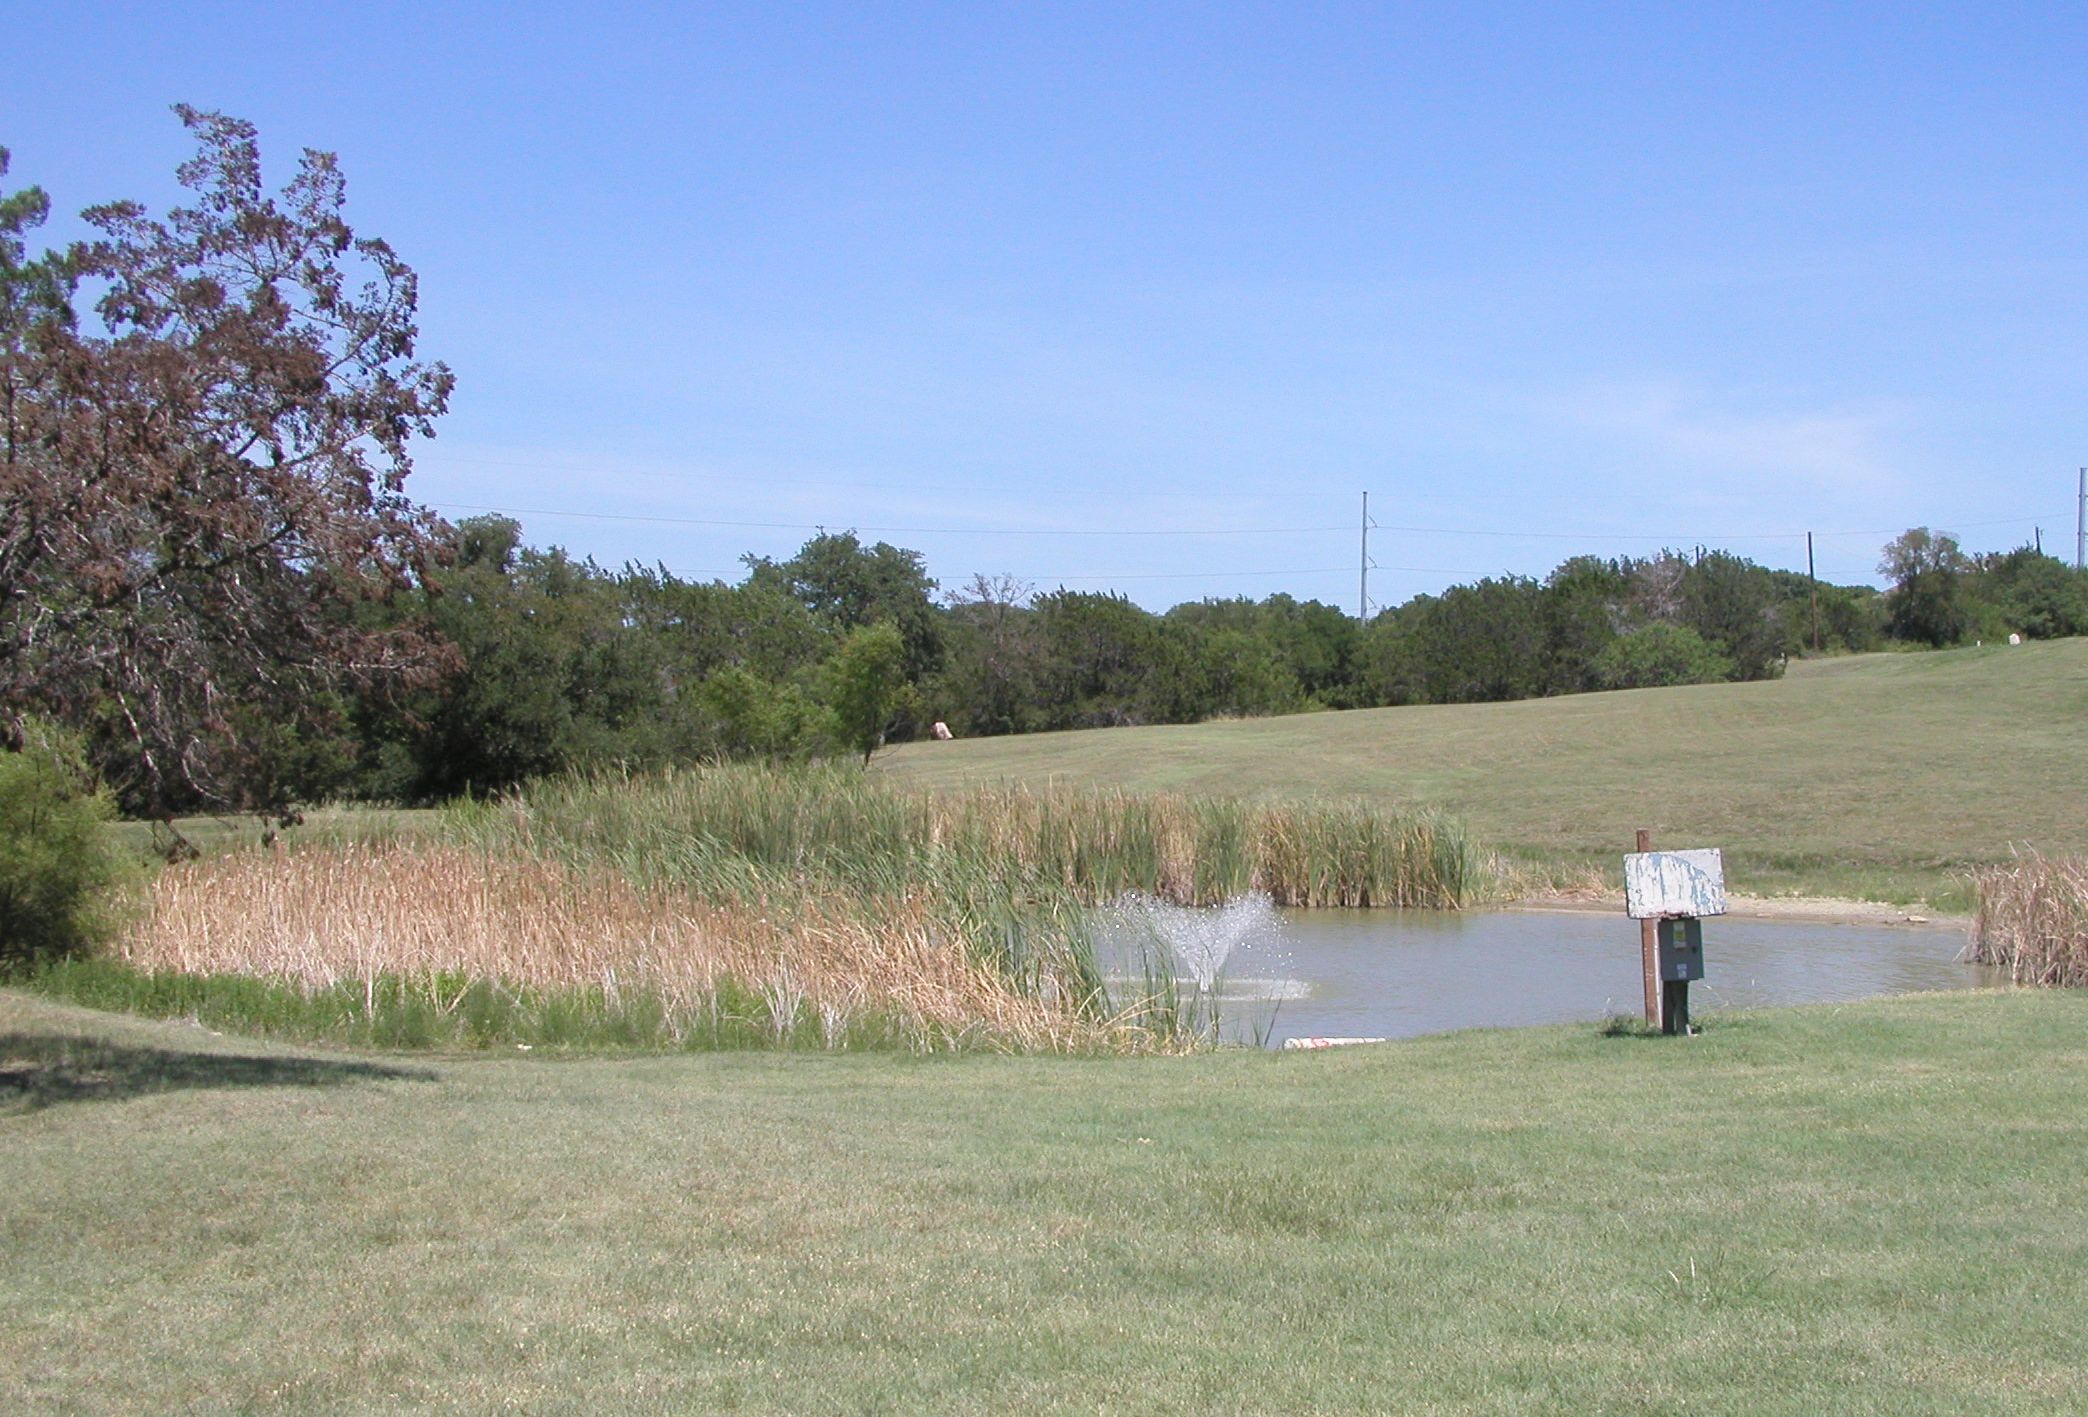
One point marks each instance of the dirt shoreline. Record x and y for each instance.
(1823, 910)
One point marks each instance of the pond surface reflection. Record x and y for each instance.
(1395, 974)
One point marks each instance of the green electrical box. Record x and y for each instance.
(1681, 950)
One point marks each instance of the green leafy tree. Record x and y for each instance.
(847, 585)
(990, 676)
(60, 868)
(1659, 656)
(1312, 645)
(1583, 603)
(741, 715)
(734, 666)
(1831, 618)
(1393, 657)
(1485, 642)
(1846, 619)
(549, 676)
(1245, 675)
(1852, 618)
(1471, 644)
(1320, 642)
(699, 628)
(1927, 603)
(1734, 605)
(866, 688)
(2033, 594)
(1105, 662)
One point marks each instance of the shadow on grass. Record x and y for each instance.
(1620, 1026)
(41, 1070)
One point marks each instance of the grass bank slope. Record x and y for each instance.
(1867, 1208)
(1878, 775)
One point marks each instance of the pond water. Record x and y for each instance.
(1395, 974)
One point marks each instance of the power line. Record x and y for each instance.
(893, 530)
(437, 462)
(1181, 575)
(684, 574)
(1666, 539)
(1002, 484)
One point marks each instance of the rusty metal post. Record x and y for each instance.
(1649, 955)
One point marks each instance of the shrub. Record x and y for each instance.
(60, 867)
(1659, 656)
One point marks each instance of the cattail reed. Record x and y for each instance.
(2032, 919)
(437, 918)
(758, 907)
(720, 830)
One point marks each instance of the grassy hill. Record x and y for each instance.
(1883, 776)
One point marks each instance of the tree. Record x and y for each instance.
(201, 496)
(702, 627)
(550, 676)
(1927, 600)
(866, 686)
(1659, 656)
(1733, 605)
(988, 684)
(1476, 643)
(1852, 617)
(1104, 662)
(1243, 675)
(2038, 595)
(1313, 644)
(741, 715)
(60, 867)
(847, 585)
(1583, 603)
(1395, 664)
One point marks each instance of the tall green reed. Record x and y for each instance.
(1010, 872)
(730, 830)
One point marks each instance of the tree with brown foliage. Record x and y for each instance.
(202, 493)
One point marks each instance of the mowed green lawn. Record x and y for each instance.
(1869, 1208)
(1882, 775)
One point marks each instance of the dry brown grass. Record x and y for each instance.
(2033, 919)
(317, 917)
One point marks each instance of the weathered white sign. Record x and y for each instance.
(1660, 884)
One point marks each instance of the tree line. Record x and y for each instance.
(845, 646)
(211, 574)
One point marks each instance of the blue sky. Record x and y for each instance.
(1145, 297)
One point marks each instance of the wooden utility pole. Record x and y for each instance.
(1649, 953)
(1812, 577)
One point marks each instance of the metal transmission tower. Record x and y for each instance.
(1363, 567)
